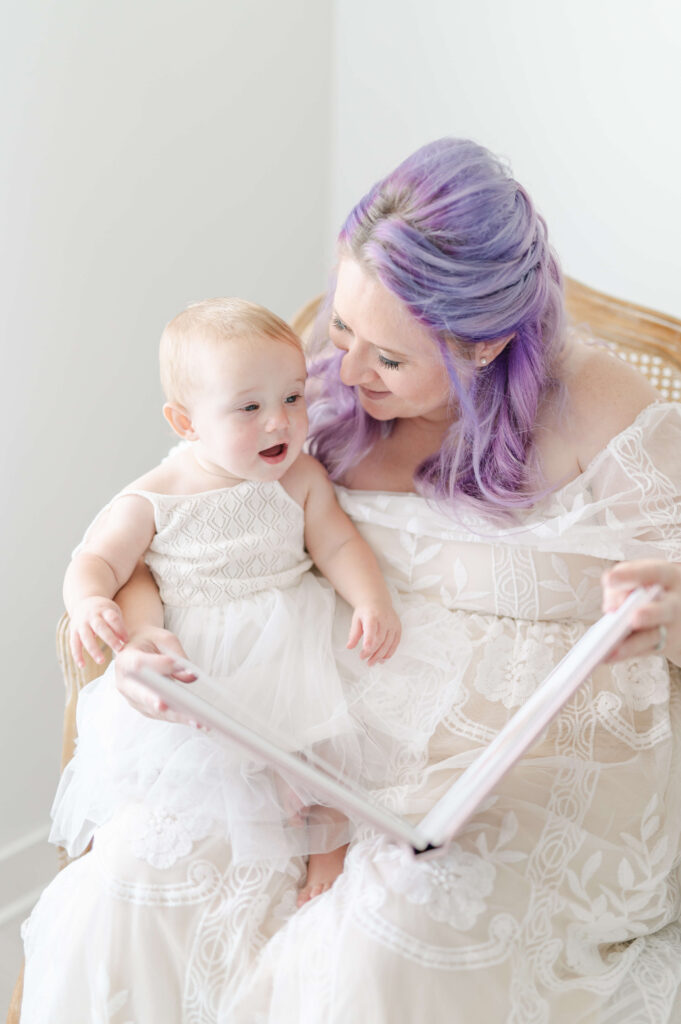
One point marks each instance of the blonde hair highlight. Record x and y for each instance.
(213, 322)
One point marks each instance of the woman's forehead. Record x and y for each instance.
(375, 314)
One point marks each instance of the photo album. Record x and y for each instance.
(431, 836)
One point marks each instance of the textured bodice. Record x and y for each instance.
(547, 564)
(213, 547)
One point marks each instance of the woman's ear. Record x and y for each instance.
(179, 420)
(487, 351)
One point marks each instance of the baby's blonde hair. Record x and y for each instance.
(211, 322)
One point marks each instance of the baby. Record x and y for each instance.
(226, 525)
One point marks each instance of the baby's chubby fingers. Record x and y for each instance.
(110, 628)
(372, 637)
(76, 646)
(380, 629)
(388, 645)
(391, 643)
(355, 634)
(93, 619)
(90, 643)
(363, 628)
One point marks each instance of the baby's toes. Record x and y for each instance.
(308, 892)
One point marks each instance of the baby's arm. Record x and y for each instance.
(99, 569)
(348, 562)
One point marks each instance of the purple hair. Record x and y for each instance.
(459, 242)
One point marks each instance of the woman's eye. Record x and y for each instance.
(338, 323)
(392, 364)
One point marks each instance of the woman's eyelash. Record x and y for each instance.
(391, 364)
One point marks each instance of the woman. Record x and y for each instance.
(498, 469)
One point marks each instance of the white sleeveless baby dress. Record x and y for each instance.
(233, 577)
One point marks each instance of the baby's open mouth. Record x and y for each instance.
(274, 454)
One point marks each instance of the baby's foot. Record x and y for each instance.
(322, 871)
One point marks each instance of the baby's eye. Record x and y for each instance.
(251, 407)
(392, 364)
(292, 399)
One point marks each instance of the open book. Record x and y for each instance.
(433, 833)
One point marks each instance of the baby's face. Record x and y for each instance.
(248, 409)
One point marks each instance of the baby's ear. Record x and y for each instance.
(179, 420)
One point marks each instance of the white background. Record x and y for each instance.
(159, 152)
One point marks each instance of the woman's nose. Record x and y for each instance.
(355, 367)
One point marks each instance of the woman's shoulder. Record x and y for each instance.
(604, 396)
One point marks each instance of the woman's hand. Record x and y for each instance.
(94, 619)
(158, 649)
(656, 627)
(379, 627)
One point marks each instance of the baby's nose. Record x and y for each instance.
(276, 420)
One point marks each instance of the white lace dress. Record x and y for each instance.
(560, 901)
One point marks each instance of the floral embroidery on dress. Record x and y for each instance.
(512, 667)
(452, 889)
(639, 689)
(161, 838)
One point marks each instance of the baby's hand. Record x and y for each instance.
(381, 629)
(95, 617)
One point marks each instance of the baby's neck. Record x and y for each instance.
(215, 475)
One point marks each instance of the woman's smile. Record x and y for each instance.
(373, 396)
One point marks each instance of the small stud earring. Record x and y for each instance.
(483, 360)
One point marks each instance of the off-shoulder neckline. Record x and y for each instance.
(554, 494)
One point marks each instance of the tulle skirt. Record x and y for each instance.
(266, 659)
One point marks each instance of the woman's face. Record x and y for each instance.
(390, 359)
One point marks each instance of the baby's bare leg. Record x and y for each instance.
(324, 868)
(322, 871)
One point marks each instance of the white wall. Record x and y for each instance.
(581, 97)
(153, 153)
(157, 152)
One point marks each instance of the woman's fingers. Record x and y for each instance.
(639, 644)
(619, 581)
(656, 626)
(146, 654)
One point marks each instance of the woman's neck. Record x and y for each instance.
(393, 460)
